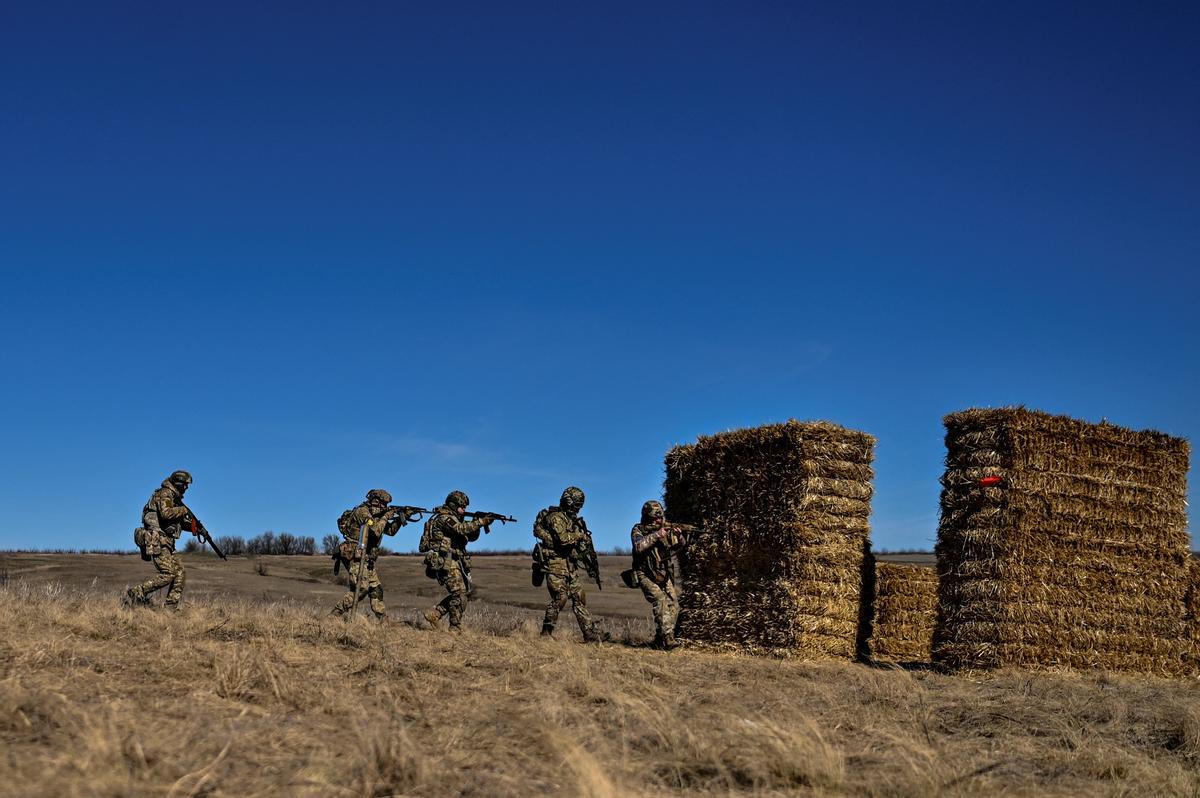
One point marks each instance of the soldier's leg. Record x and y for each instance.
(580, 608)
(456, 601)
(671, 609)
(434, 614)
(348, 601)
(164, 577)
(179, 579)
(556, 586)
(375, 592)
(658, 605)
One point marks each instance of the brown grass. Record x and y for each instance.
(261, 699)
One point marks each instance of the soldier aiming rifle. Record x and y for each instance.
(444, 546)
(363, 528)
(655, 540)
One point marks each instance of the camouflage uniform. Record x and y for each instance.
(559, 530)
(444, 544)
(653, 541)
(163, 519)
(379, 520)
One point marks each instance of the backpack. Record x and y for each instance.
(433, 560)
(344, 526)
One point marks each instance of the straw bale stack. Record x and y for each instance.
(906, 598)
(780, 563)
(1192, 606)
(1076, 556)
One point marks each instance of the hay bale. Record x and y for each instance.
(905, 609)
(1077, 557)
(1192, 617)
(780, 563)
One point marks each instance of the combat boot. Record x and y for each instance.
(432, 617)
(135, 598)
(547, 629)
(591, 636)
(669, 642)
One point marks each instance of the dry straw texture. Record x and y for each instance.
(254, 700)
(1193, 617)
(1077, 557)
(780, 564)
(905, 610)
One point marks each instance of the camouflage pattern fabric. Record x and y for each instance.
(378, 522)
(456, 598)
(664, 601)
(448, 536)
(559, 531)
(370, 587)
(162, 518)
(165, 513)
(653, 541)
(170, 573)
(562, 589)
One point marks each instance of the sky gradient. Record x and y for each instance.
(305, 250)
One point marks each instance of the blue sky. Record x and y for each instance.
(304, 250)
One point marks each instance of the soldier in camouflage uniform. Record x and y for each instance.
(560, 533)
(163, 520)
(653, 542)
(444, 544)
(379, 520)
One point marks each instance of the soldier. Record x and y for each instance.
(563, 543)
(379, 520)
(444, 544)
(654, 540)
(163, 519)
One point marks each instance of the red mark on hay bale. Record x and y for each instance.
(988, 482)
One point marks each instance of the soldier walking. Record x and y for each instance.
(444, 544)
(368, 523)
(564, 542)
(163, 520)
(654, 541)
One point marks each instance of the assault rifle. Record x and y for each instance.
(410, 513)
(585, 550)
(487, 518)
(199, 530)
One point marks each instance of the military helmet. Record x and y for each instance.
(180, 478)
(457, 499)
(652, 511)
(380, 496)
(572, 499)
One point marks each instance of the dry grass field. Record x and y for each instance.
(253, 691)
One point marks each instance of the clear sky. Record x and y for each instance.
(309, 249)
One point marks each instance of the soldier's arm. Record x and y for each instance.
(393, 521)
(470, 529)
(169, 511)
(643, 541)
(565, 530)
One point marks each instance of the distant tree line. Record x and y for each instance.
(266, 543)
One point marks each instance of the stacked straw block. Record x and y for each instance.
(906, 598)
(1078, 556)
(1192, 654)
(779, 566)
